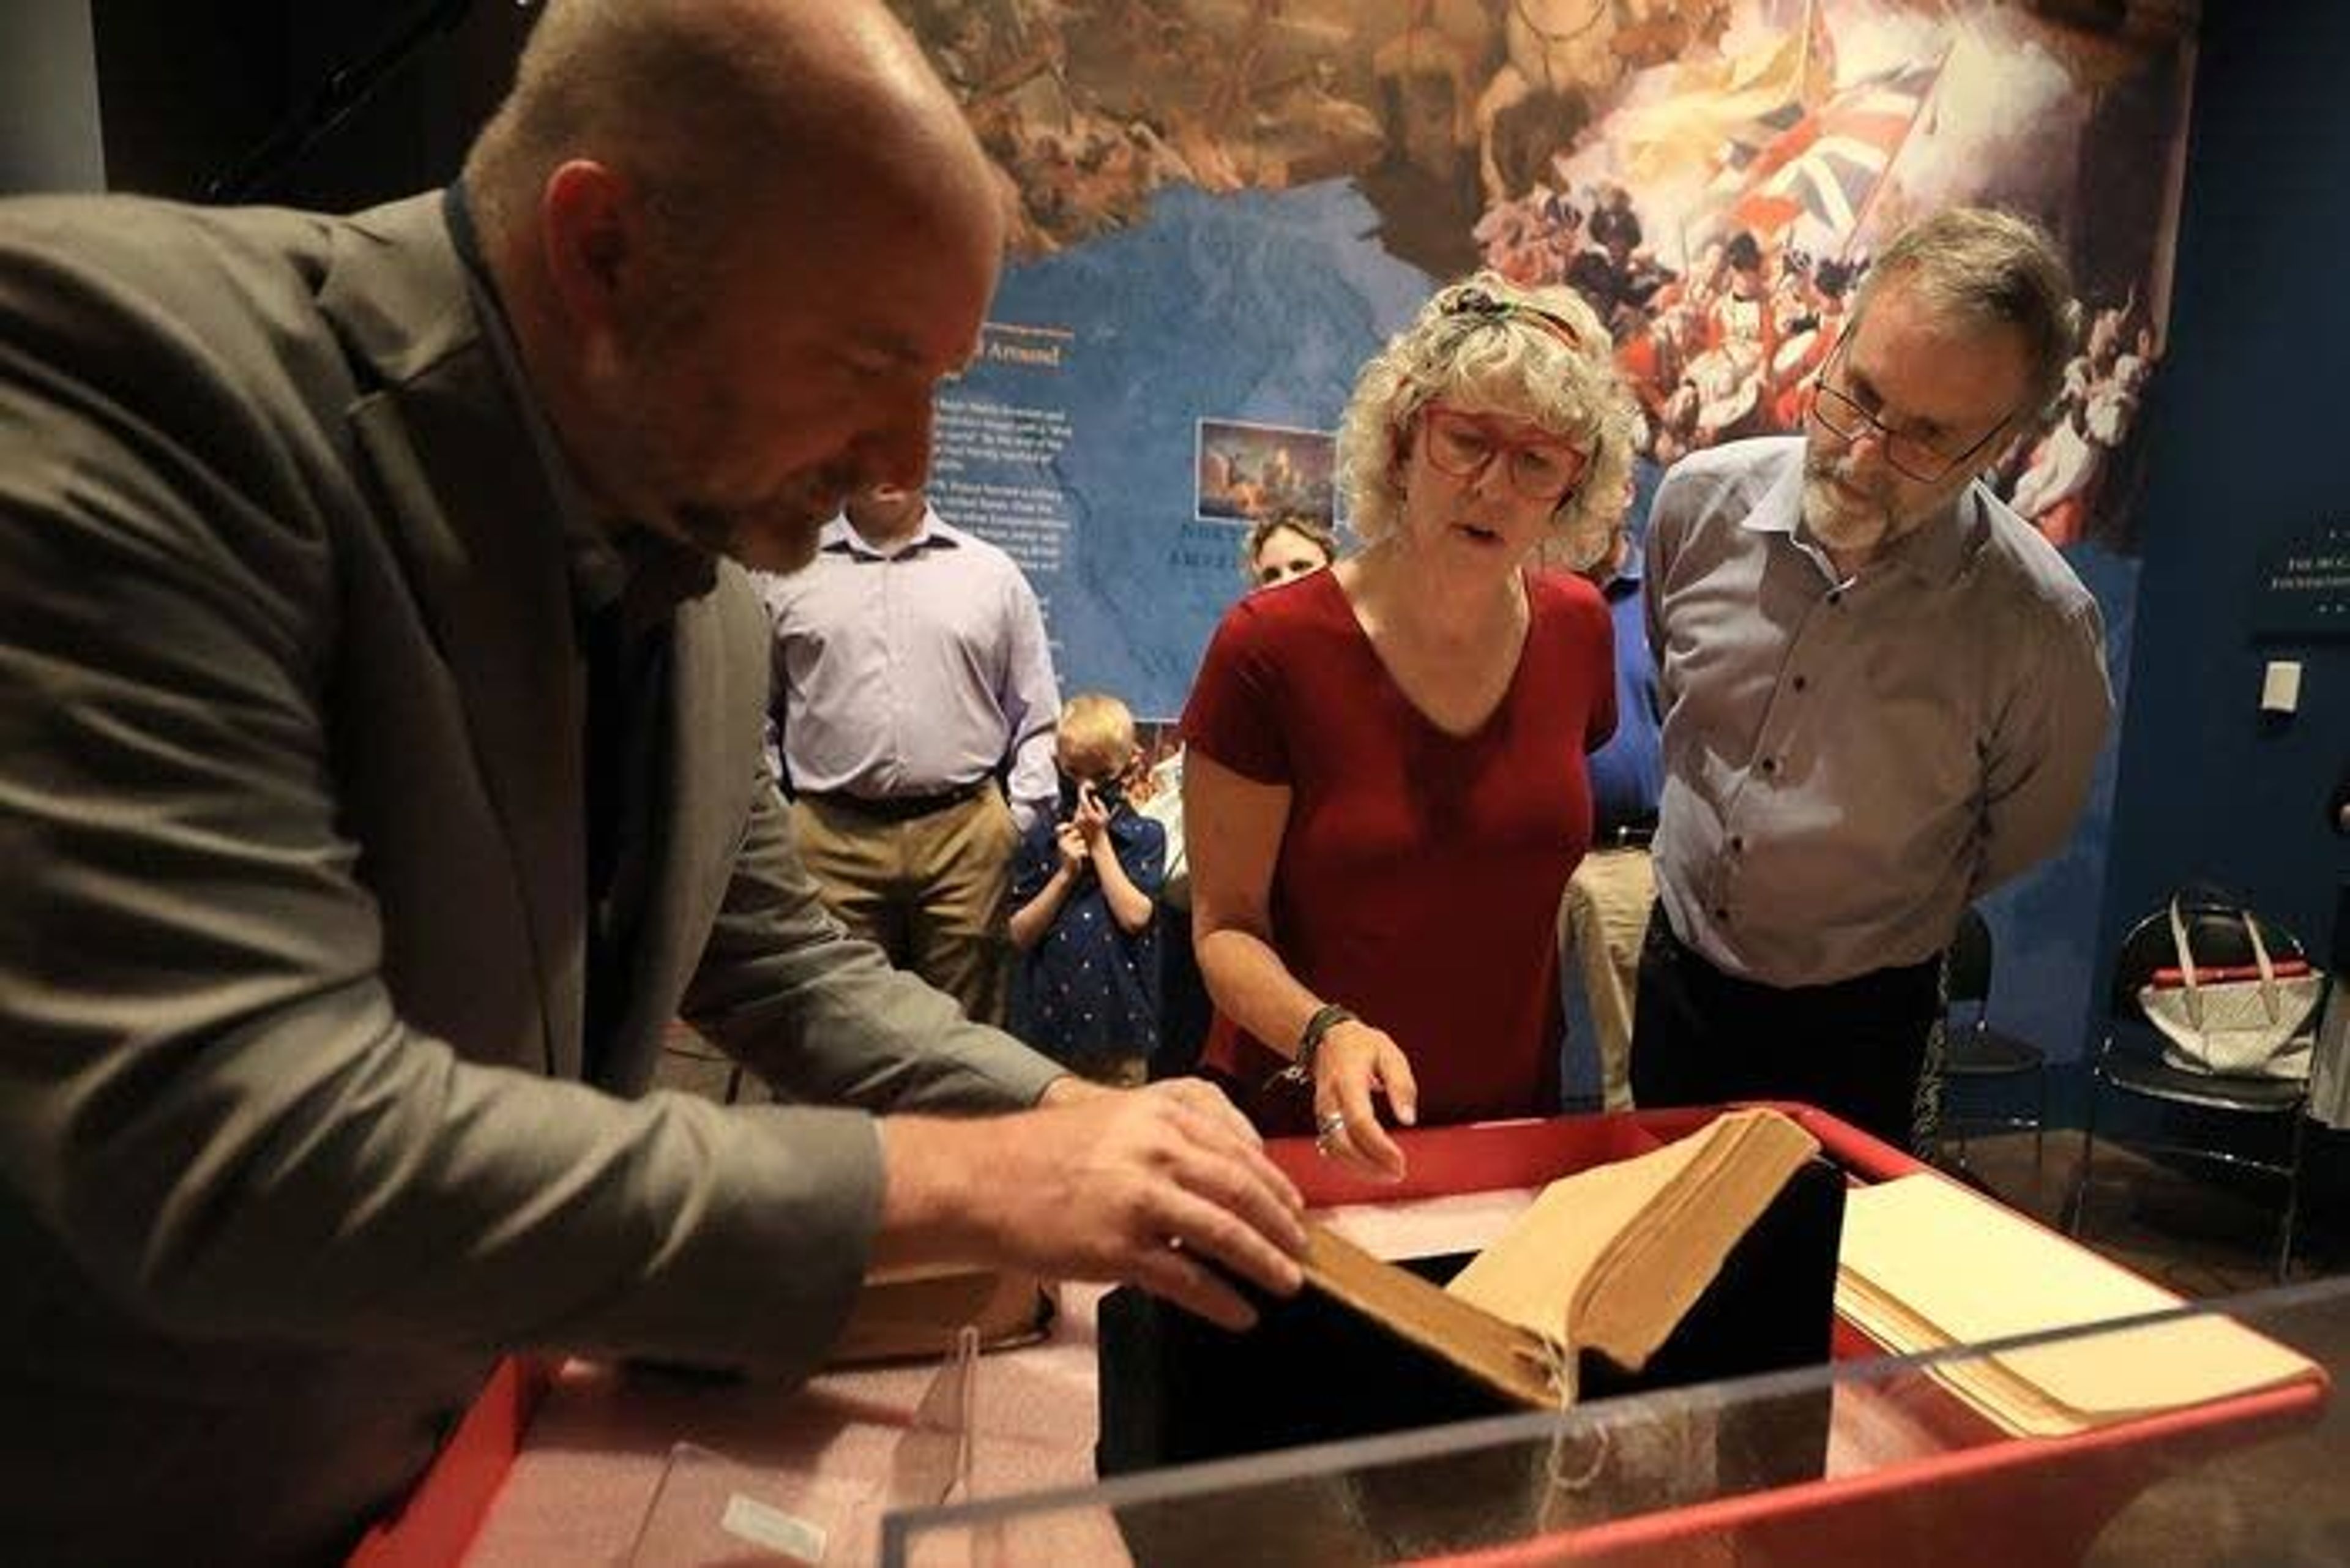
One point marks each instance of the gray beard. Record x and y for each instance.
(1831, 522)
(1834, 523)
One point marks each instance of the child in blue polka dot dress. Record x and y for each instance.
(1084, 888)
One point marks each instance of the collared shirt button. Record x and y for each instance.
(1770, 764)
(1801, 681)
(1738, 844)
(1722, 913)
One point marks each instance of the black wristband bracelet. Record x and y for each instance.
(1326, 1017)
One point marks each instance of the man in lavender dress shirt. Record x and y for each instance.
(914, 702)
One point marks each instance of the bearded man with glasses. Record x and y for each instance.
(1884, 693)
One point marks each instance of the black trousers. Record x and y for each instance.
(1854, 1049)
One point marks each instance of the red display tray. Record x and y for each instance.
(441, 1517)
(2012, 1500)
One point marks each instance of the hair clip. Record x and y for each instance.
(1483, 303)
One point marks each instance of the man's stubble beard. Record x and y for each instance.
(782, 548)
(778, 534)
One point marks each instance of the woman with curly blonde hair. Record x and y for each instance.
(1385, 790)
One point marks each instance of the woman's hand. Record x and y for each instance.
(1353, 1062)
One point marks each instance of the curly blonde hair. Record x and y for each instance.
(1485, 346)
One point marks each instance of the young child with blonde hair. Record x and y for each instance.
(1084, 888)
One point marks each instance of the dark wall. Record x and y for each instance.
(183, 89)
(189, 92)
(2249, 442)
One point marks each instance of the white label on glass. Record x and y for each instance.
(772, 1527)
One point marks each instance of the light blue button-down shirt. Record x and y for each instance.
(1849, 763)
(912, 672)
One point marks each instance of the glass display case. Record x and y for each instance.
(1710, 1474)
(1865, 1459)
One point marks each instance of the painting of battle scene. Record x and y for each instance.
(1711, 175)
(1249, 473)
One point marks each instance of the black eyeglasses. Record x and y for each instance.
(1912, 456)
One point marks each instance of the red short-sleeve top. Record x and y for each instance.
(1420, 873)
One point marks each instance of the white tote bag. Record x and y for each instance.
(2248, 1028)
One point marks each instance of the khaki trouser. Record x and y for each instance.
(1602, 920)
(931, 891)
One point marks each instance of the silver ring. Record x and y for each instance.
(1330, 1125)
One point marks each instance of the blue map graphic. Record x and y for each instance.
(1257, 306)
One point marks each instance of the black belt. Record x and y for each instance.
(898, 807)
(1625, 835)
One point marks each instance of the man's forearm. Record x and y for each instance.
(928, 1214)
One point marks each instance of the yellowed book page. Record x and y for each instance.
(1639, 1292)
(1975, 1271)
(2157, 1367)
(1534, 1274)
(1662, 1222)
(2015, 1400)
(1503, 1357)
(1999, 1397)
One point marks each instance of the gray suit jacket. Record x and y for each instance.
(291, 1135)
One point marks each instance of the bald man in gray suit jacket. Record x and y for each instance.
(380, 769)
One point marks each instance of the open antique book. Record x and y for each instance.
(1606, 1261)
(1926, 1264)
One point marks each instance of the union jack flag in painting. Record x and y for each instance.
(1815, 177)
